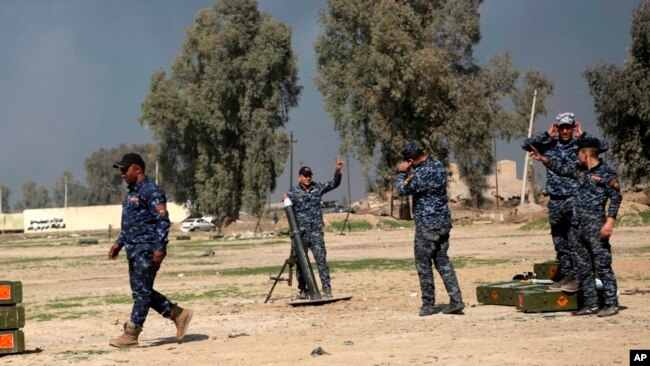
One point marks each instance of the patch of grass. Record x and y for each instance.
(82, 355)
(224, 246)
(644, 250)
(117, 299)
(392, 224)
(539, 224)
(356, 225)
(642, 278)
(250, 271)
(63, 305)
(77, 315)
(41, 317)
(372, 264)
(23, 260)
(639, 218)
(468, 262)
(218, 293)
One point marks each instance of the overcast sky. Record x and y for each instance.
(73, 74)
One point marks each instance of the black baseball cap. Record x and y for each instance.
(589, 143)
(411, 150)
(306, 171)
(128, 159)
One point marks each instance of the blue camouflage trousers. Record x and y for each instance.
(560, 212)
(592, 252)
(142, 273)
(315, 241)
(431, 248)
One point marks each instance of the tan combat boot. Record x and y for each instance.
(129, 338)
(181, 318)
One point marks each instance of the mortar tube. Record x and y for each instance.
(303, 259)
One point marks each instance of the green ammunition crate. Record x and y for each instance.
(503, 293)
(548, 270)
(12, 317)
(11, 292)
(537, 301)
(12, 341)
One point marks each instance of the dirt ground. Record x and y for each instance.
(76, 300)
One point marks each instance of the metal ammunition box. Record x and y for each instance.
(540, 300)
(503, 293)
(12, 341)
(11, 292)
(12, 317)
(548, 270)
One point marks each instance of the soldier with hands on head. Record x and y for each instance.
(560, 143)
(428, 186)
(306, 198)
(592, 224)
(145, 226)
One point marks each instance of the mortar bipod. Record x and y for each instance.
(291, 261)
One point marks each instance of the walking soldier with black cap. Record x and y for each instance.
(306, 198)
(592, 224)
(428, 186)
(145, 226)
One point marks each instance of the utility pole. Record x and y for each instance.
(291, 142)
(65, 191)
(347, 168)
(156, 172)
(496, 171)
(526, 161)
(1, 200)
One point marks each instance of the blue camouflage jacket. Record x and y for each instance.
(564, 153)
(428, 185)
(307, 201)
(594, 186)
(145, 221)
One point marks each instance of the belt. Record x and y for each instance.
(556, 197)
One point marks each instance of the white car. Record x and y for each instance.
(197, 224)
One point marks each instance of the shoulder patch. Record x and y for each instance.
(162, 210)
(614, 183)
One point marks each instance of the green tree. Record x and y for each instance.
(34, 196)
(522, 99)
(392, 72)
(5, 192)
(622, 101)
(76, 191)
(105, 184)
(217, 117)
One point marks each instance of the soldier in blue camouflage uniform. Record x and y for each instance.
(145, 226)
(560, 143)
(306, 198)
(428, 185)
(592, 223)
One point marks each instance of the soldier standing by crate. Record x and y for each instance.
(560, 143)
(592, 224)
(306, 198)
(145, 226)
(428, 185)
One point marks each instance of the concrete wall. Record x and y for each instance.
(11, 222)
(84, 218)
(507, 169)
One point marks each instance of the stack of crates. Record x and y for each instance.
(528, 296)
(12, 317)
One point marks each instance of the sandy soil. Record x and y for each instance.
(76, 300)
